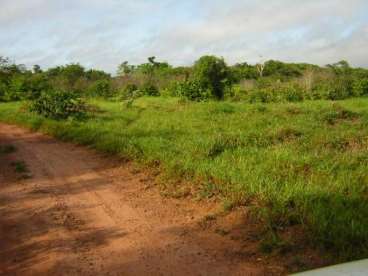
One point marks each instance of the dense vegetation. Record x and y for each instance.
(284, 139)
(209, 78)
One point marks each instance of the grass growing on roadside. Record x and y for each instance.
(299, 164)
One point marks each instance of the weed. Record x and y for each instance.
(20, 166)
(222, 232)
(272, 242)
(293, 110)
(261, 108)
(298, 263)
(228, 205)
(337, 113)
(287, 134)
(210, 217)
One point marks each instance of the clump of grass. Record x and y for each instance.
(260, 108)
(223, 143)
(221, 231)
(224, 108)
(20, 166)
(298, 263)
(228, 205)
(271, 243)
(208, 189)
(287, 134)
(337, 114)
(210, 217)
(293, 110)
(207, 221)
(346, 143)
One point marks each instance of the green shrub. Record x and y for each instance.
(360, 87)
(3, 88)
(149, 90)
(20, 87)
(16, 89)
(320, 91)
(193, 91)
(260, 96)
(236, 94)
(35, 85)
(129, 91)
(341, 90)
(100, 88)
(337, 113)
(335, 88)
(278, 92)
(174, 88)
(291, 93)
(58, 104)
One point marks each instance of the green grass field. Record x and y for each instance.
(297, 164)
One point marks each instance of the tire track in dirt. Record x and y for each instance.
(81, 213)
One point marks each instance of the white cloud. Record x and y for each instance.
(103, 33)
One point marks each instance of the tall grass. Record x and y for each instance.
(298, 163)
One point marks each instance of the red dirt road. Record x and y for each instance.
(80, 213)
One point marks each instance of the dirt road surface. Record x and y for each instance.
(75, 212)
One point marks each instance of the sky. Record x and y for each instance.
(103, 33)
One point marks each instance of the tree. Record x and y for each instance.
(212, 73)
(72, 72)
(152, 60)
(260, 68)
(340, 68)
(37, 69)
(125, 69)
(243, 70)
(281, 69)
(94, 75)
(4, 62)
(152, 67)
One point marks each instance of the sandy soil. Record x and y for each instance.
(79, 213)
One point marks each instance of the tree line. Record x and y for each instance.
(210, 77)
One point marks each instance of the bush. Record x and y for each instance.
(360, 87)
(235, 93)
(292, 93)
(261, 96)
(100, 88)
(174, 88)
(58, 104)
(35, 85)
(277, 93)
(3, 88)
(16, 89)
(149, 90)
(341, 89)
(193, 91)
(212, 74)
(129, 91)
(321, 90)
